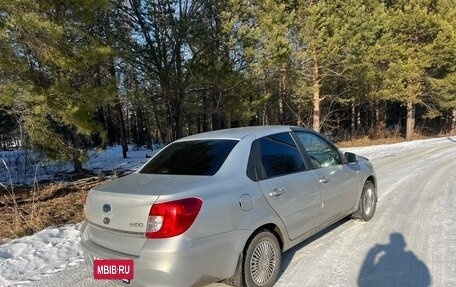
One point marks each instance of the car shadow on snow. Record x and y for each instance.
(288, 255)
(393, 265)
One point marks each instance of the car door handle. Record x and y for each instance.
(277, 192)
(324, 179)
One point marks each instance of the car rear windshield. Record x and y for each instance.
(198, 157)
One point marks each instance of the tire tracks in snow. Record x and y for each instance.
(416, 191)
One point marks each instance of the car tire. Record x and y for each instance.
(262, 259)
(367, 203)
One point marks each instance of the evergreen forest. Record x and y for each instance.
(77, 74)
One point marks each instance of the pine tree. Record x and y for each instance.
(260, 38)
(409, 48)
(59, 76)
(323, 41)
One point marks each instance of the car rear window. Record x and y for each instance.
(198, 157)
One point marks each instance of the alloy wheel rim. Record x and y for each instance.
(263, 263)
(368, 201)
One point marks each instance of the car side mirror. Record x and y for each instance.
(351, 158)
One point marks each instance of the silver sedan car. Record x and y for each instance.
(224, 205)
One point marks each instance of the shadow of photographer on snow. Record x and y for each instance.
(392, 265)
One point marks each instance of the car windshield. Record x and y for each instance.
(198, 157)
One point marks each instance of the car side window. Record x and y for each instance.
(280, 155)
(320, 152)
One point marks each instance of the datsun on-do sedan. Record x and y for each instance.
(224, 205)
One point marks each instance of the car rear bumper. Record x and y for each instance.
(177, 261)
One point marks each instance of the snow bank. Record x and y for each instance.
(31, 258)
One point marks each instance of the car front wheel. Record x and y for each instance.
(367, 202)
(262, 260)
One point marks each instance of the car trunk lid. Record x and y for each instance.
(118, 211)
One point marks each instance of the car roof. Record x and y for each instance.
(240, 133)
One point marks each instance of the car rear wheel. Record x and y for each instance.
(262, 260)
(367, 202)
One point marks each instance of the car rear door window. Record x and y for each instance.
(280, 155)
(197, 157)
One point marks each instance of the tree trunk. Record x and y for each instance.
(280, 120)
(206, 112)
(353, 120)
(216, 121)
(379, 124)
(377, 112)
(77, 163)
(359, 128)
(316, 98)
(123, 138)
(299, 122)
(282, 90)
(179, 119)
(265, 115)
(410, 126)
(179, 114)
(229, 119)
(453, 124)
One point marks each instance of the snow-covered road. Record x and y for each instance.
(411, 241)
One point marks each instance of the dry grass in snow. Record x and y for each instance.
(25, 210)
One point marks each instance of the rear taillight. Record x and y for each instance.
(168, 219)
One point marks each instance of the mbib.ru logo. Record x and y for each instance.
(113, 269)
